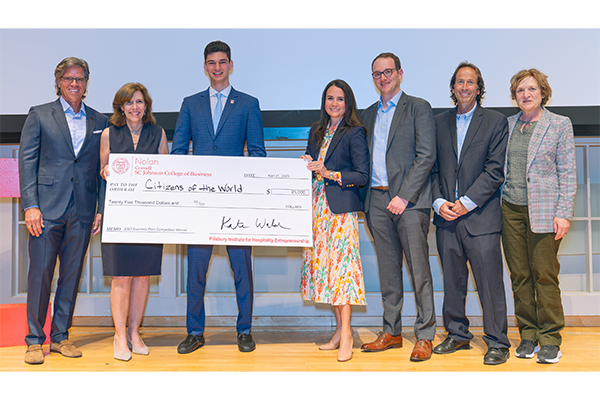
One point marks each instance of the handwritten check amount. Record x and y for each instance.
(186, 199)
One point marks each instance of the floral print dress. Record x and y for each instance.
(331, 269)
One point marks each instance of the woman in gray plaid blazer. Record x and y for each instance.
(537, 203)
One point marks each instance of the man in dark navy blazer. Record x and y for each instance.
(466, 182)
(219, 121)
(59, 165)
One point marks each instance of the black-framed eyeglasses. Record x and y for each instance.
(387, 73)
(69, 79)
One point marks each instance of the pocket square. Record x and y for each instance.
(100, 131)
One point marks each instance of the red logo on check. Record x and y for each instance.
(120, 165)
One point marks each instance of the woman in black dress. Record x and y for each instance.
(132, 130)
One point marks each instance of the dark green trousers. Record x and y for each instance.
(534, 268)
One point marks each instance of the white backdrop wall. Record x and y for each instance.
(287, 69)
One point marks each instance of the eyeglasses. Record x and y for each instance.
(71, 79)
(387, 73)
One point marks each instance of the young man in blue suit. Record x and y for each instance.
(59, 166)
(219, 121)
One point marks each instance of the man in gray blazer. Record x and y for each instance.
(401, 140)
(59, 165)
(466, 182)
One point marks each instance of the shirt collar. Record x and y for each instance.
(67, 107)
(392, 102)
(466, 115)
(225, 92)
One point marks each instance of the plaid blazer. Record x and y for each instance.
(551, 170)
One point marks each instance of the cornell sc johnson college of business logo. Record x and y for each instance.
(120, 165)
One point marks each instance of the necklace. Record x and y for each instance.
(331, 129)
(135, 135)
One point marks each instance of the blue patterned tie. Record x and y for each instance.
(218, 111)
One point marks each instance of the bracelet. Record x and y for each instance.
(336, 176)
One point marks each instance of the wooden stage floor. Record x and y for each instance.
(294, 350)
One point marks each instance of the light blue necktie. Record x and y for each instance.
(218, 111)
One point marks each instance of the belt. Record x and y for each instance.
(383, 188)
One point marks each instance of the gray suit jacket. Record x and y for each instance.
(49, 171)
(410, 151)
(480, 171)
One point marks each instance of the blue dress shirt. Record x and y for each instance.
(76, 123)
(383, 121)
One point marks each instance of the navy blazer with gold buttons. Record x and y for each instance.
(348, 154)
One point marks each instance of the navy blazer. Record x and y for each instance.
(240, 125)
(347, 153)
(480, 171)
(49, 170)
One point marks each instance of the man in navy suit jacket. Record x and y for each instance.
(220, 122)
(59, 165)
(466, 182)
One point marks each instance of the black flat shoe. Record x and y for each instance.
(495, 356)
(450, 346)
(190, 343)
(245, 342)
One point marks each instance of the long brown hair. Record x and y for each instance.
(351, 117)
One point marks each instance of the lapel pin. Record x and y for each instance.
(231, 101)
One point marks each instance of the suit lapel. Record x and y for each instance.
(369, 121)
(90, 123)
(59, 116)
(476, 120)
(400, 107)
(230, 102)
(207, 112)
(452, 129)
(537, 136)
(335, 140)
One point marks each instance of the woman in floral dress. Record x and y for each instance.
(337, 154)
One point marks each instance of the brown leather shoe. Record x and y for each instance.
(422, 350)
(66, 348)
(34, 354)
(383, 342)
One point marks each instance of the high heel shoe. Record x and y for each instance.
(345, 356)
(329, 346)
(332, 345)
(143, 350)
(126, 356)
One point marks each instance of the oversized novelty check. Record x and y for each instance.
(207, 200)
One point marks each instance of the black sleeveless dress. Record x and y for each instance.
(132, 259)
